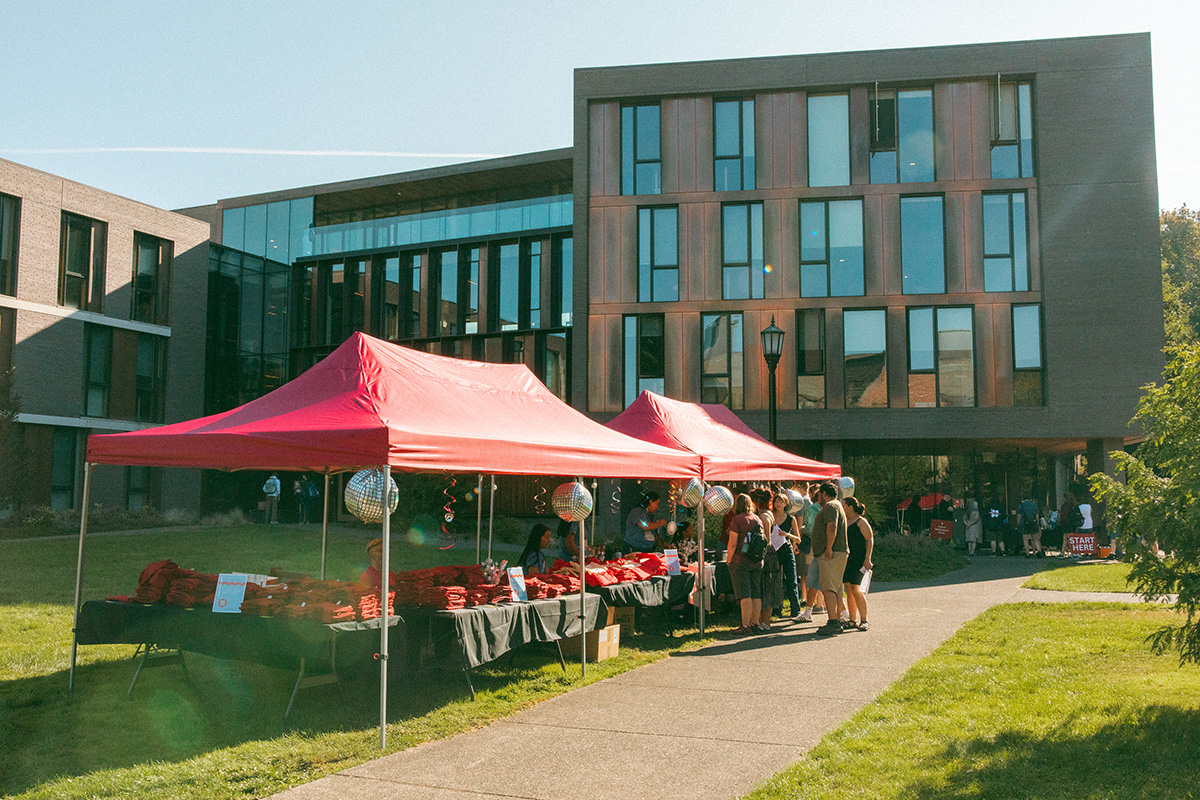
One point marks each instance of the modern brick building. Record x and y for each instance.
(960, 245)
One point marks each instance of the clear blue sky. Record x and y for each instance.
(219, 99)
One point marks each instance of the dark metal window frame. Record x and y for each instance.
(935, 370)
(639, 369)
(998, 137)
(92, 381)
(729, 371)
(651, 261)
(561, 280)
(10, 242)
(808, 160)
(1011, 254)
(633, 158)
(876, 147)
(748, 265)
(941, 196)
(826, 262)
(886, 356)
(802, 371)
(1041, 369)
(155, 297)
(746, 172)
(148, 393)
(91, 281)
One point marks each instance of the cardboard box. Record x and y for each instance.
(601, 644)
(623, 616)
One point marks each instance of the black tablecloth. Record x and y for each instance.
(484, 633)
(272, 641)
(659, 590)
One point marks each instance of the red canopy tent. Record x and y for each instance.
(375, 404)
(728, 448)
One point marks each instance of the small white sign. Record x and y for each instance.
(672, 559)
(231, 590)
(516, 579)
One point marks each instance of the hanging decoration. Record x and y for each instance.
(718, 500)
(691, 494)
(364, 495)
(845, 487)
(448, 512)
(572, 501)
(795, 501)
(615, 503)
(539, 498)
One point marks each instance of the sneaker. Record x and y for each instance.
(741, 631)
(830, 628)
(805, 616)
(864, 626)
(762, 628)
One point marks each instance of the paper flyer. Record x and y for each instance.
(516, 579)
(231, 590)
(672, 559)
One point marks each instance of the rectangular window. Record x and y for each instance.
(531, 283)
(831, 248)
(742, 250)
(941, 358)
(471, 310)
(658, 254)
(62, 469)
(810, 358)
(148, 403)
(1012, 129)
(641, 149)
(447, 294)
(508, 285)
(390, 295)
(1028, 379)
(137, 488)
(564, 255)
(555, 373)
(1005, 243)
(82, 257)
(902, 136)
(722, 376)
(922, 245)
(98, 370)
(10, 229)
(865, 364)
(829, 140)
(411, 275)
(733, 145)
(645, 362)
(8, 338)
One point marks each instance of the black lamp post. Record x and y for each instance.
(772, 345)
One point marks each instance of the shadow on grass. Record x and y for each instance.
(1149, 753)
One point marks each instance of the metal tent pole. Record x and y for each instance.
(384, 615)
(491, 512)
(83, 521)
(478, 517)
(700, 561)
(324, 525)
(583, 631)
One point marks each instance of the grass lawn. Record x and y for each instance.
(1072, 577)
(223, 734)
(1060, 702)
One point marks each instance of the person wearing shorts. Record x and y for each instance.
(745, 573)
(831, 551)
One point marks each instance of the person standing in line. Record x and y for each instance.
(272, 490)
(300, 493)
(784, 537)
(745, 573)
(973, 521)
(861, 542)
(1030, 520)
(816, 601)
(832, 552)
(993, 524)
(772, 575)
(1086, 526)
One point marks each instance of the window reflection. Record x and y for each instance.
(865, 365)
(722, 377)
(831, 248)
(1005, 243)
(829, 140)
(922, 245)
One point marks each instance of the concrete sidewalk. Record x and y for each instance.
(712, 723)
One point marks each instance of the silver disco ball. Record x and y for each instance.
(718, 500)
(845, 486)
(691, 494)
(795, 501)
(364, 495)
(572, 501)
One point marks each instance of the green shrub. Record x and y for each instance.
(911, 558)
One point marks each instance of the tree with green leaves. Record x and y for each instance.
(14, 467)
(1159, 501)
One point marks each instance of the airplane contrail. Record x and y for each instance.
(242, 151)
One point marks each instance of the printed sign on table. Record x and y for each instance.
(516, 579)
(941, 529)
(672, 559)
(231, 590)
(1083, 544)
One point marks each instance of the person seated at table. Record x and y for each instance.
(640, 525)
(568, 540)
(372, 577)
(532, 560)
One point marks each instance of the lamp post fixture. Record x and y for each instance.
(772, 345)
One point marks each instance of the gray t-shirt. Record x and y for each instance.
(636, 536)
(830, 512)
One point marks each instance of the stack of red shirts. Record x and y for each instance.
(444, 597)
(154, 582)
(652, 563)
(597, 574)
(318, 611)
(369, 608)
(264, 606)
(567, 583)
(626, 572)
(188, 588)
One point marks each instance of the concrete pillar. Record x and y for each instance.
(1099, 454)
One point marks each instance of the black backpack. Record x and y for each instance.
(755, 545)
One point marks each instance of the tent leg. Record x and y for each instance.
(83, 521)
(700, 564)
(491, 512)
(324, 525)
(583, 631)
(385, 615)
(478, 518)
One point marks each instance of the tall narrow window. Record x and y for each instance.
(810, 358)
(62, 469)
(658, 254)
(645, 362)
(722, 375)
(138, 493)
(1028, 380)
(98, 370)
(865, 359)
(831, 248)
(1012, 129)
(733, 145)
(335, 303)
(564, 255)
(531, 277)
(555, 374)
(508, 287)
(391, 298)
(1005, 243)
(922, 245)
(82, 258)
(902, 136)
(411, 276)
(742, 249)
(447, 294)
(641, 149)
(10, 228)
(471, 311)
(941, 357)
(829, 140)
(148, 402)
